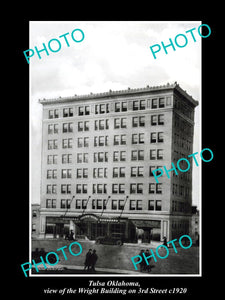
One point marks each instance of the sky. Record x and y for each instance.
(113, 55)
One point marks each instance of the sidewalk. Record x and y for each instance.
(117, 259)
(60, 268)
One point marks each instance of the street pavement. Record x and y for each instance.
(113, 259)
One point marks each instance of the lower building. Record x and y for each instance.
(35, 220)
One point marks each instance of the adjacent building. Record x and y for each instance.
(35, 220)
(98, 154)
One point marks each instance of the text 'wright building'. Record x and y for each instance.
(98, 154)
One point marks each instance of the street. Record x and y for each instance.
(117, 259)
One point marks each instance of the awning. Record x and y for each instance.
(147, 223)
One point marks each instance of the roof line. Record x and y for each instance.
(111, 93)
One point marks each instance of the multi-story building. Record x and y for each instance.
(98, 154)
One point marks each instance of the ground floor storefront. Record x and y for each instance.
(91, 226)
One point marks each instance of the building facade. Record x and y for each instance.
(35, 220)
(98, 154)
(194, 230)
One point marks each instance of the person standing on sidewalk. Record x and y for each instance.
(87, 263)
(147, 267)
(93, 260)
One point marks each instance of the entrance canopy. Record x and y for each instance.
(147, 223)
(93, 218)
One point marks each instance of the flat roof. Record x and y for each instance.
(111, 94)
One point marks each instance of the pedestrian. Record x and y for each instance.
(165, 241)
(142, 263)
(87, 263)
(71, 235)
(93, 259)
(147, 267)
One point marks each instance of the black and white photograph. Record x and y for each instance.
(117, 127)
(115, 147)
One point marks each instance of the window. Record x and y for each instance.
(118, 188)
(154, 103)
(136, 188)
(65, 203)
(83, 142)
(78, 204)
(138, 121)
(151, 188)
(161, 102)
(151, 205)
(152, 154)
(121, 204)
(120, 106)
(100, 173)
(100, 156)
(99, 188)
(65, 188)
(119, 156)
(134, 138)
(116, 139)
(160, 137)
(67, 143)
(51, 189)
(159, 154)
(114, 204)
(158, 188)
(154, 120)
(153, 137)
(119, 139)
(124, 106)
(139, 105)
(83, 126)
(66, 158)
(52, 144)
(50, 203)
(123, 139)
(122, 155)
(135, 105)
(100, 141)
(117, 107)
(102, 124)
(50, 114)
(151, 168)
(156, 137)
(161, 119)
(51, 159)
(66, 173)
(118, 172)
(53, 128)
(139, 205)
(83, 110)
(138, 138)
(51, 174)
(53, 113)
(81, 188)
(67, 112)
(86, 141)
(132, 204)
(120, 123)
(142, 104)
(158, 205)
(137, 155)
(116, 123)
(137, 172)
(101, 108)
(67, 127)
